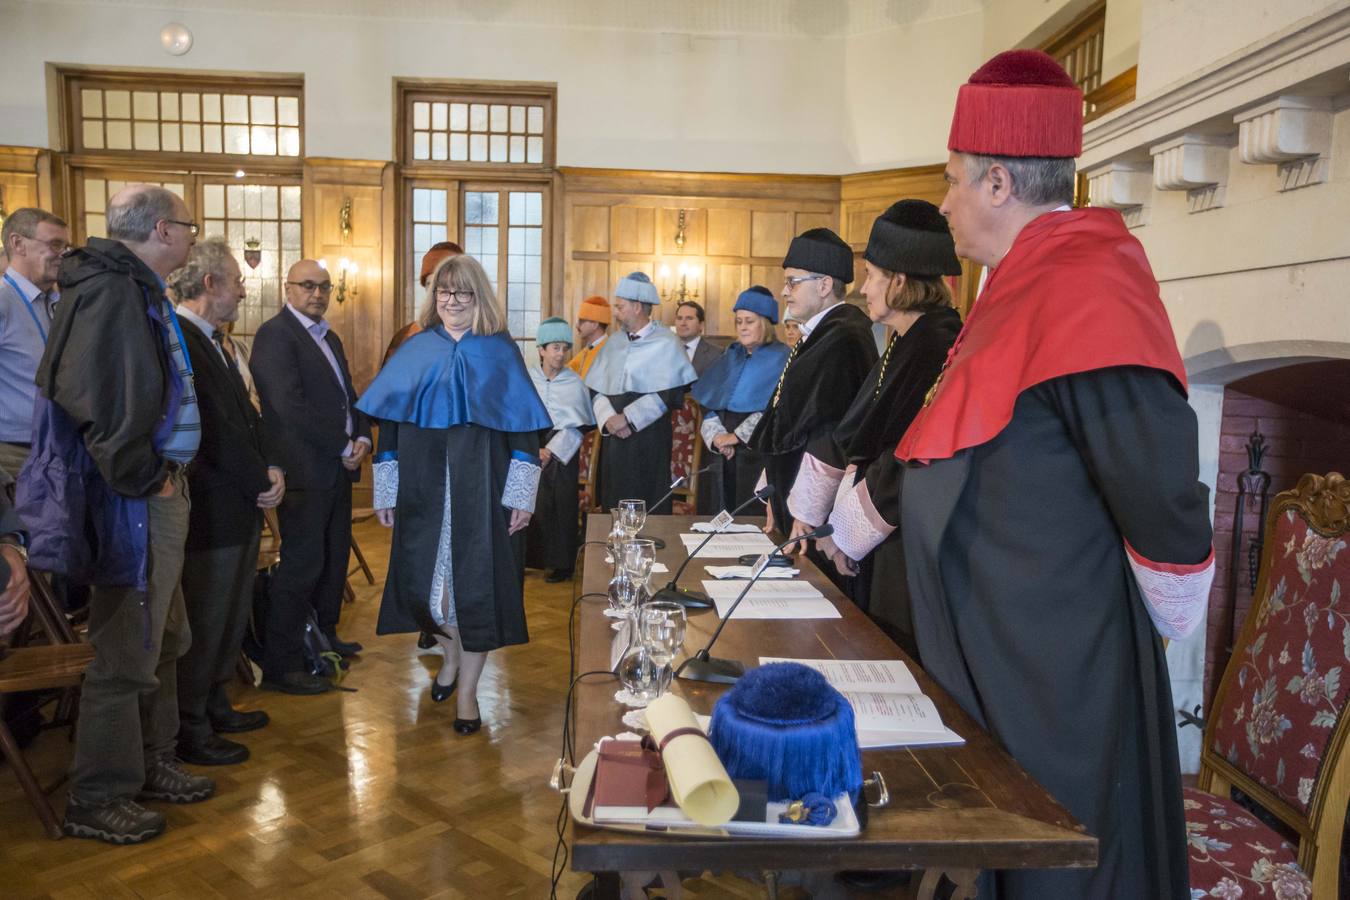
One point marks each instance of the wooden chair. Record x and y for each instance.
(588, 463)
(269, 546)
(38, 668)
(686, 455)
(1277, 730)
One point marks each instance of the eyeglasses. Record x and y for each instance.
(792, 281)
(56, 245)
(309, 287)
(448, 295)
(193, 228)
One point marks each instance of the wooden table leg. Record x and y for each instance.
(9, 749)
(925, 884)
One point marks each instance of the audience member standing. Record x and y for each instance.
(593, 328)
(35, 240)
(117, 400)
(231, 481)
(321, 438)
(689, 322)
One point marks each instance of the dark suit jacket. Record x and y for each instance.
(304, 407)
(705, 354)
(230, 469)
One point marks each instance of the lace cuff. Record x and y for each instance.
(710, 429)
(564, 444)
(858, 527)
(1175, 595)
(812, 493)
(747, 428)
(385, 468)
(522, 482)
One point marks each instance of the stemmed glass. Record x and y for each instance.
(661, 626)
(639, 556)
(633, 515)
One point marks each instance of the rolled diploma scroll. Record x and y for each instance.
(698, 780)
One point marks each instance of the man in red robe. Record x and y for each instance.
(1047, 494)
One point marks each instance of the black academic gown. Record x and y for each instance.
(486, 565)
(886, 403)
(1017, 567)
(554, 529)
(638, 467)
(823, 375)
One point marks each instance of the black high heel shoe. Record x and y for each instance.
(468, 726)
(440, 693)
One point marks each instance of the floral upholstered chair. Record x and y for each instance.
(686, 455)
(588, 461)
(1277, 728)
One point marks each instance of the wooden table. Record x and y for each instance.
(952, 811)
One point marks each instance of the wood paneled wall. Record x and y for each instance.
(365, 321)
(737, 228)
(26, 179)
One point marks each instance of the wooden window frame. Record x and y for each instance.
(1088, 29)
(519, 93)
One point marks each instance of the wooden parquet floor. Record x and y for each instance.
(352, 794)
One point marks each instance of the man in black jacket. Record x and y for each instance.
(115, 366)
(321, 438)
(231, 482)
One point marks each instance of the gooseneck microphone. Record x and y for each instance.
(697, 599)
(657, 542)
(701, 666)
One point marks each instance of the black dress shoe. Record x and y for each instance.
(344, 648)
(441, 692)
(237, 721)
(426, 641)
(213, 751)
(297, 683)
(558, 575)
(468, 726)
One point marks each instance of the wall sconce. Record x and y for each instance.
(679, 231)
(348, 282)
(686, 288)
(253, 252)
(345, 219)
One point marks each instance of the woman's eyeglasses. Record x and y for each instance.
(448, 295)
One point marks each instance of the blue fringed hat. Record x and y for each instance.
(553, 329)
(783, 723)
(758, 299)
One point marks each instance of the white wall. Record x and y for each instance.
(1026, 23)
(901, 88)
(1120, 46)
(758, 103)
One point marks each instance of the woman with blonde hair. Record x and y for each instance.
(456, 473)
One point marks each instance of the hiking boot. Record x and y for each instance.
(167, 780)
(119, 822)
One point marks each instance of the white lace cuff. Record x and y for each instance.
(710, 429)
(747, 428)
(812, 493)
(386, 483)
(644, 411)
(858, 527)
(1175, 595)
(522, 482)
(564, 444)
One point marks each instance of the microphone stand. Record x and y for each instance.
(701, 666)
(657, 542)
(691, 599)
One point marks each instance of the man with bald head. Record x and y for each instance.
(321, 438)
(116, 405)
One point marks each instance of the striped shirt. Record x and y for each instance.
(182, 444)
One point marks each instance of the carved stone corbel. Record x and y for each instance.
(1196, 164)
(1291, 132)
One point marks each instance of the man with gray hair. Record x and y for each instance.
(116, 405)
(232, 479)
(35, 240)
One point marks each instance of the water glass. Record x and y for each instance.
(661, 627)
(638, 558)
(633, 515)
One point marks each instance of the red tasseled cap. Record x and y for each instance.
(1020, 103)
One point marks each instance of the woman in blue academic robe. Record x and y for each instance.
(735, 391)
(555, 530)
(456, 473)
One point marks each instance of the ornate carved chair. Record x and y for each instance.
(686, 456)
(1277, 730)
(588, 462)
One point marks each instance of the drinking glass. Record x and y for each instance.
(617, 535)
(625, 592)
(661, 627)
(639, 673)
(633, 515)
(638, 558)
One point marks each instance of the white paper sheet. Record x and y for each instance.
(733, 528)
(743, 572)
(726, 546)
(779, 600)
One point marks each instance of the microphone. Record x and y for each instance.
(697, 599)
(657, 542)
(701, 666)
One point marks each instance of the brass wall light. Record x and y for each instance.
(349, 284)
(679, 231)
(345, 219)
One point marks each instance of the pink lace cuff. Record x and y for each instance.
(812, 493)
(1175, 595)
(858, 527)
